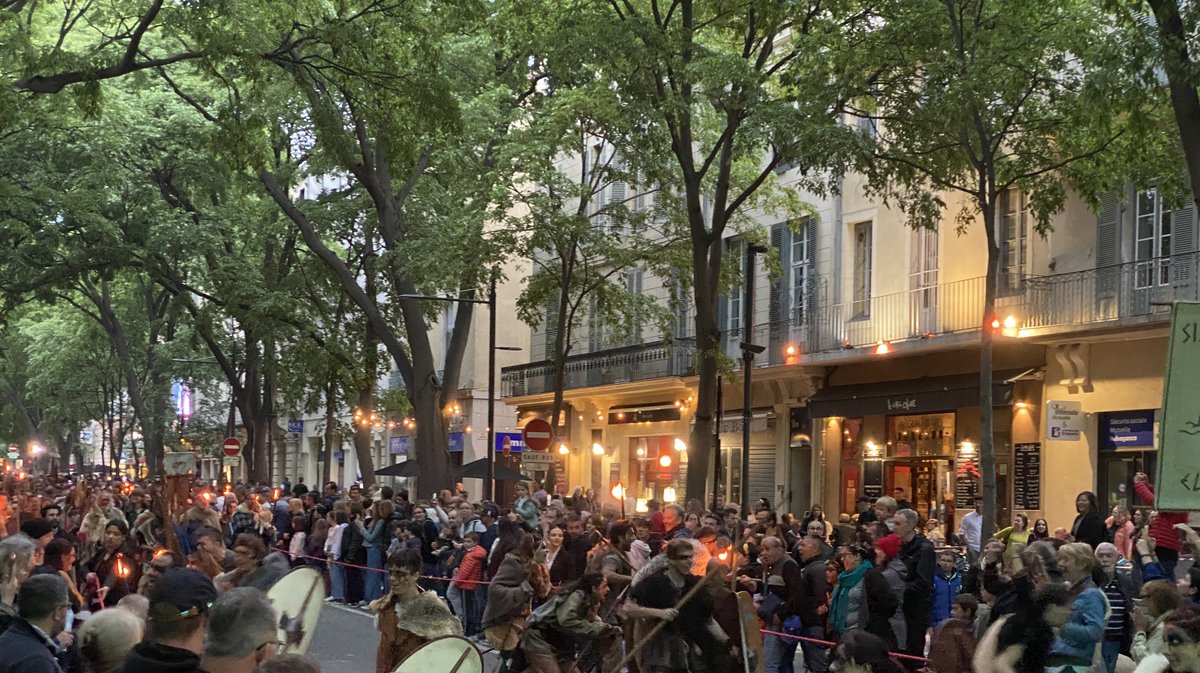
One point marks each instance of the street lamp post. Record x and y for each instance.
(489, 483)
(749, 350)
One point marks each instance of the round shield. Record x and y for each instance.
(298, 598)
(448, 654)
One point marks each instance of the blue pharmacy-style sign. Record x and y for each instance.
(1128, 430)
(514, 441)
(295, 425)
(458, 441)
(398, 446)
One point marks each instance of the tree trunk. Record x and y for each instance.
(1185, 102)
(987, 447)
(330, 419)
(363, 435)
(706, 269)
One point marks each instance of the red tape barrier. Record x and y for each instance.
(897, 655)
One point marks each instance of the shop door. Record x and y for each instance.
(922, 483)
(1116, 477)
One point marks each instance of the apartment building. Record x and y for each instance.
(869, 384)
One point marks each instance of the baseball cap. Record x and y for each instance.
(180, 593)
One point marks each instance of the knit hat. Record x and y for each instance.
(889, 545)
(36, 528)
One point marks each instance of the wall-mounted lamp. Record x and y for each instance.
(872, 449)
(597, 449)
(883, 348)
(664, 460)
(967, 448)
(680, 445)
(563, 450)
(669, 494)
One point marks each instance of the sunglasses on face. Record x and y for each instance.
(1177, 639)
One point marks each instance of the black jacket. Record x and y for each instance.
(150, 657)
(26, 651)
(1089, 528)
(881, 605)
(919, 564)
(813, 588)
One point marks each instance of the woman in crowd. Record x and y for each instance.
(1074, 648)
(1040, 531)
(1089, 526)
(526, 507)
(16, 562)
(816, 513)
(862, 599)
(1015, 537)
(1160, 598)
(298, 542)
(114, 565)
(887, 551)
(557, 563)
(375, 539)
(60, 560)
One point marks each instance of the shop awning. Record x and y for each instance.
(912, 396)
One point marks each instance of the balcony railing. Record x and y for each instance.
(1129, 291)
(640, 362)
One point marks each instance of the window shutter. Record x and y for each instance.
(616, 199)
(778, 305)
(633, 282)
(551, 327)
(1183, 241)
(1108, 244)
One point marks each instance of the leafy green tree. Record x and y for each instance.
(975, 98)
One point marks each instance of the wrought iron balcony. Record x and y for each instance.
(1123, 293)
(640, 362)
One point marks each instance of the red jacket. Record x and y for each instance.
(470, 569)
(1162, 529)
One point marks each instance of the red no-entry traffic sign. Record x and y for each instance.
(232, 446)
(537, 435)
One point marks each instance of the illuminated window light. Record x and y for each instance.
(680, 446)
(669, 494)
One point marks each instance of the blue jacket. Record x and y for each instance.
(1085, 627)
(26, 651)
(945, 590)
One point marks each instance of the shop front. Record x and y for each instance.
(1128, 445)
(916, 441)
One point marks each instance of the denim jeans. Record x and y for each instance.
(779, 652)
(374, 578)
(816, 655)
(1109, 650)
(337, 580)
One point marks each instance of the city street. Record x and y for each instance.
(345, 640)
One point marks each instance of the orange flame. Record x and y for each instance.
(122, 570)
(275, 494)
(160, 552)
(207, 496)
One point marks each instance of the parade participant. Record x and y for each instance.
(252, 566)
(40, 531)
(862, 598)
(1076, 643)
(153, 570)
(1020, 643)
(1182, 638)
(861, 652)
(919, 562)
(242, 633)
(177, 625)
(407, 617)
(106, 637)
(1088, 526)
(656, 591)
(953, 640)
(114, 565)
(559, 627)
(615, 563)
(518, 579)
(210, 548)
(28, 645)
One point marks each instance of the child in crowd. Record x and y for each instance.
(947, 584)
(953, 640)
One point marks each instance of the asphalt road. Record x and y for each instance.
(345, 641)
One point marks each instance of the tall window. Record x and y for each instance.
(733, 316)
(1152, 240)
(633, 284)
(800, 270)
(862, 270)
(1013, 231)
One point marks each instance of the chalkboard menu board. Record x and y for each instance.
(1027, 476)
(873, 479)
(966, 484)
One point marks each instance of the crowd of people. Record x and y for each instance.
(95, 577)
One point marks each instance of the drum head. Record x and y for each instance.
(448, 654)
(297, 598)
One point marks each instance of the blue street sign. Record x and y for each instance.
(458, 440)
(398, 446)
(515, 443)
(295, 425)
(1128, 430)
